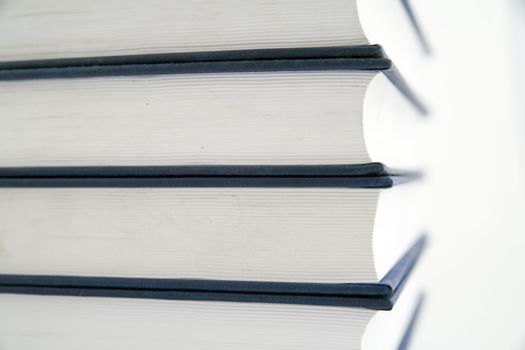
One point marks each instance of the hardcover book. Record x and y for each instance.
(64, 322)
(88, 32)
(294, 229)
(235, 113)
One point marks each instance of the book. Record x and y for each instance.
(262, 112)
(304, 229)
(88, 32)
(380, 295)
(60, 322)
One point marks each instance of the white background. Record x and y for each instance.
(474, 269)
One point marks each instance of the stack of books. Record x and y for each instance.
(208, 174)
